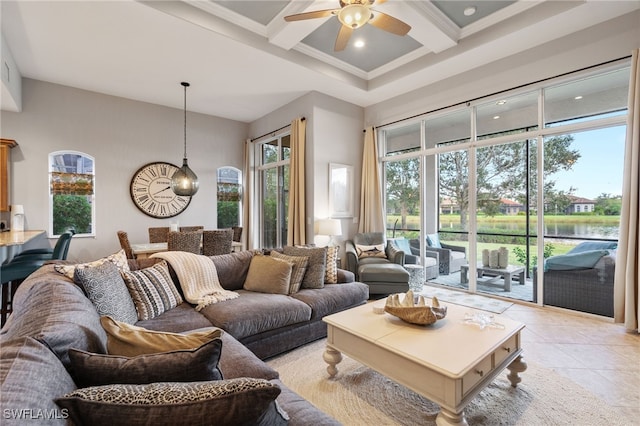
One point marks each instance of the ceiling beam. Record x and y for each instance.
(288, 34)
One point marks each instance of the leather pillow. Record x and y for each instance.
(186, 365)
(130, 340)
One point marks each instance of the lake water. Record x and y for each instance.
(576, 230)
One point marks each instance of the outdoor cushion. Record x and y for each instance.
(403, 244)
(570, 261)
(433, 240)
(594, 245)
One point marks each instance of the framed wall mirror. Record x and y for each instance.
(340, 190)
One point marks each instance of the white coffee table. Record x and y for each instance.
(448, 362)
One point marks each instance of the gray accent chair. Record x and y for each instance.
(369, 239)
(450, 257)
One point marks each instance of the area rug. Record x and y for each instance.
(360, 396)
(465, 299)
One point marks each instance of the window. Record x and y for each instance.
(273, 172)
(71, 193)
(229, 197)
(536, 171)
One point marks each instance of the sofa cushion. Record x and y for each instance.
(49, 307)
(331, 274)
(333, 298)
(179, 319)
(31, 376)
(269, 274)
(267, 312)
(241, 401)
(316, 269)
(152, 290)
(238, 361)
(570, 261)
(367, 251)
(233, 268)
(119, 259)
(184, 365)
(129, 340)
(299, 268)
(106, 289)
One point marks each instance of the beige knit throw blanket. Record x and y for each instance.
(198, 278)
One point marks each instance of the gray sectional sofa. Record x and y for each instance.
(51, 315)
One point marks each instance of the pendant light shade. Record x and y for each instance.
(184, 182)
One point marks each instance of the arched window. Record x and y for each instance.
(71, 193)
(229, 197)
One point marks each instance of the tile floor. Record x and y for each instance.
(600, 356)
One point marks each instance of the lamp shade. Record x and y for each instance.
(329, 227)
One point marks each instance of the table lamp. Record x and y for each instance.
(329, 227)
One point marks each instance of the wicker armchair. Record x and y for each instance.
(217, 241)
(159, 234)
(185, 241)
(191, 228)
(450, 257)
(123, 237)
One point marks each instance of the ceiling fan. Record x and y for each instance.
(353, 14)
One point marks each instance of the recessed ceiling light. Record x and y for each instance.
(359, 43)
(495, 117)
(577, 98)
(468, 11)
(501, 102)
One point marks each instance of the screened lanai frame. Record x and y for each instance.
(392, 151)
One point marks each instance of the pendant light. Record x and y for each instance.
(184, 181)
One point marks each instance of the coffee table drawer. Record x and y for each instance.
(506, 349)
(476, 374)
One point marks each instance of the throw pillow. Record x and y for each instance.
(299, 268)
(106, 289)
(119, 259)
(223, 402)
(331, 275)
(317, 267)
(268, 275)
(594, 245)
(130, 340)
(185, 365)
(365, 251)
(433, 240)
(152, 290)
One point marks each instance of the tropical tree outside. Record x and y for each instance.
(71, 212)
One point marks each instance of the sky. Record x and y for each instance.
(599, 169)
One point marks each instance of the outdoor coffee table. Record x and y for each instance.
(506, 273)
(449, 362)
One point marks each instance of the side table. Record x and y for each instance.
(416, 277)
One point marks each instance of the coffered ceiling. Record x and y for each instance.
(244, 60)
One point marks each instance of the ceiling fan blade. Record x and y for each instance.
(343, 38)
(389, 23)
(377, 2)
(311, 15)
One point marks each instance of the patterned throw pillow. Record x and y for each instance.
(107, 291)
(269, 275)
(152, 290)
(364, 251)
(130, 340)
(184, 365)
(223, 402)
(119, 259)
(316, 269)
(331, 276)
(299, 268)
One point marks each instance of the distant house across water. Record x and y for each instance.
(510, 207)
(580, 205)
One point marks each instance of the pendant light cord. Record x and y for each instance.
(185, 117)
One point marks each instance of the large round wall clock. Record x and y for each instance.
(151, 191)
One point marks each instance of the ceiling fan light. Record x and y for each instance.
(354, 15)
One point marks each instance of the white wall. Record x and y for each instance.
(334, 135)
(122, 135)
(605, 42)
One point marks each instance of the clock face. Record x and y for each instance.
(151, 191)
